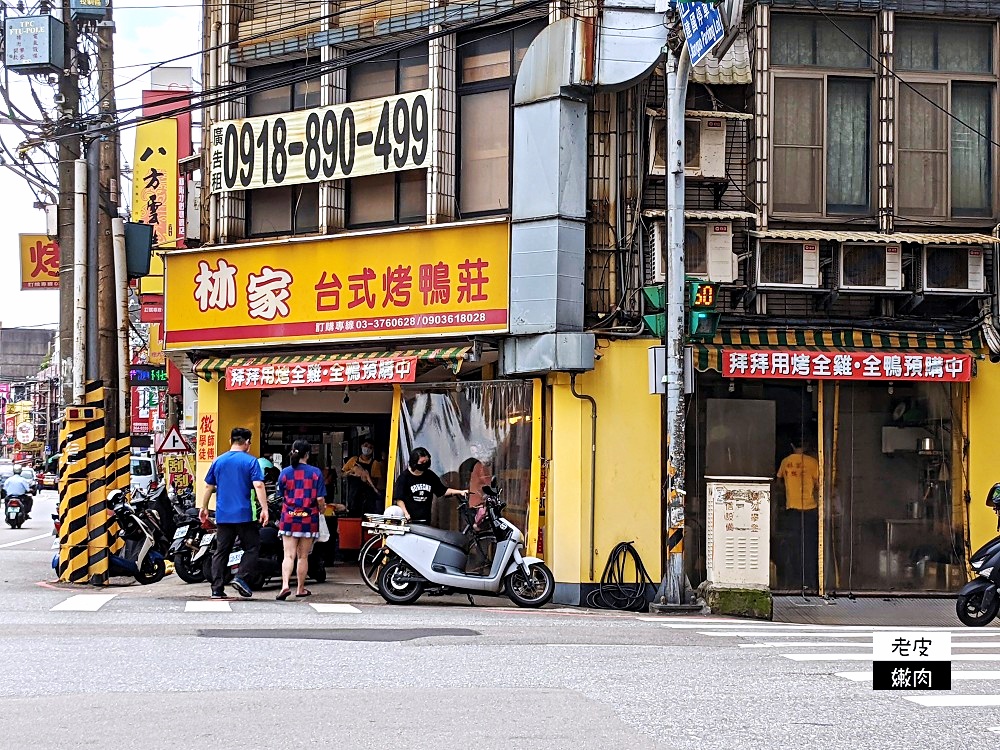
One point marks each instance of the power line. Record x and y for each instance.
(192, 101)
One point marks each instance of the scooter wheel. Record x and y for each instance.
(152, 571)
(187, 571)
(396, 591)
(970, 612)
(533, 591)
(317, 570)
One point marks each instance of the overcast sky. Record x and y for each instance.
(147, 32)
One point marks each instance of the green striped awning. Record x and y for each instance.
(708, 356)
(213, 367)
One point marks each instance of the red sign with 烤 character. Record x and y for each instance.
(897, 366)
(372, 371)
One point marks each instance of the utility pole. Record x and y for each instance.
(69, 151)
(108, 180)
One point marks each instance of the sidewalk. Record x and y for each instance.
(915, 611)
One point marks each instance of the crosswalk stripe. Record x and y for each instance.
(970, 674)
(869, 657)
(863, 644)
(335, 609)
(209, 606)
(944, 701)
(828, 634)
(83, 603)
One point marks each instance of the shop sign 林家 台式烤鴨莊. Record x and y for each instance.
(897, 366)
(433, 281)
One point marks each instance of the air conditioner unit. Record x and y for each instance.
(708, 252)
(704, 147)
(870, 268)
(787, 265)
(952, 269)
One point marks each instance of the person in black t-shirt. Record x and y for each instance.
(416, 488)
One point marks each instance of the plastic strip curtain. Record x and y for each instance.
(473, 432)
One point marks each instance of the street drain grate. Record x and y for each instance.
(368, 635)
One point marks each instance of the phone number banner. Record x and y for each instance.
(322, 374)
(897, 366)
(375, 136)
(426, 281)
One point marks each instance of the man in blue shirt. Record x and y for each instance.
(231, 477)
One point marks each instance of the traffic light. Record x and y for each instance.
(703, 318)
(656, 302)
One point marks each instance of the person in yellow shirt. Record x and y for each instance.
(799, 473)
(365, 482)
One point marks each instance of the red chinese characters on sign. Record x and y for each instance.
(206, 438)
(897, 366)
(322, 374)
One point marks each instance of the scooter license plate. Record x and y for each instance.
(235, 557)
(12, 512)
(180, 533)
(206, 541)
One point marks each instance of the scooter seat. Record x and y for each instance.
(454, 538)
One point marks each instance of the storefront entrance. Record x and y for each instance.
(865, 478)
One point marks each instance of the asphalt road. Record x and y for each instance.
(148, 667)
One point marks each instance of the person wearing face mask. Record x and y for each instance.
(416, 488)
(364, 482)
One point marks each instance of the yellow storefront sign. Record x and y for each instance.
(427, 281)
(39, 262)
(155, 191)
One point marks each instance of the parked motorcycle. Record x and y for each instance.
(191, 543)
(425, 559)
(269, 557)
(978, 601)
(15, 510)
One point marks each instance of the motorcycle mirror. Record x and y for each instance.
(993, 497)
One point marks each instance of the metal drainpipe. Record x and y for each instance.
(593, 462)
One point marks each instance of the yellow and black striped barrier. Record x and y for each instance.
(91, 466)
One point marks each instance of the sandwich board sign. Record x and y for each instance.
(172, 442)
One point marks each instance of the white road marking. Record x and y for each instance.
(947, 701)
(869, 657)
(864, 644)
(336, 609)
(828, 634)
(209, 606)
(83, 603)
(972, 674)
(25, 541)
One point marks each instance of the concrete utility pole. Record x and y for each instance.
(69, 151)
(678, 73)
(108, 353)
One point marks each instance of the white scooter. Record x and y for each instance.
(422, 558)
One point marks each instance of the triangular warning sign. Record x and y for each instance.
(172, 442)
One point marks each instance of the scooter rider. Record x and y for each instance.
(416, 488)
(17, 486)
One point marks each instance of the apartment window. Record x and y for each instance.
(944, 165)
(821, 115)
(396, 197)
(488, 62)
(292, 209)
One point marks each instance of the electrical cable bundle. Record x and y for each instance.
(614, 591)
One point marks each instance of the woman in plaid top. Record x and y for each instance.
(303, 497)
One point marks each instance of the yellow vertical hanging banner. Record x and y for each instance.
(155, 191)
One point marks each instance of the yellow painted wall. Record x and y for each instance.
(230, 409)
(984, 459)
(628, 465)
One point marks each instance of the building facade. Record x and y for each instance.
(429, 223)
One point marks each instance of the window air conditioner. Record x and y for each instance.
(871, 268)
(708, 252)
(787, 265)
(704, 147)
(952, 269)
